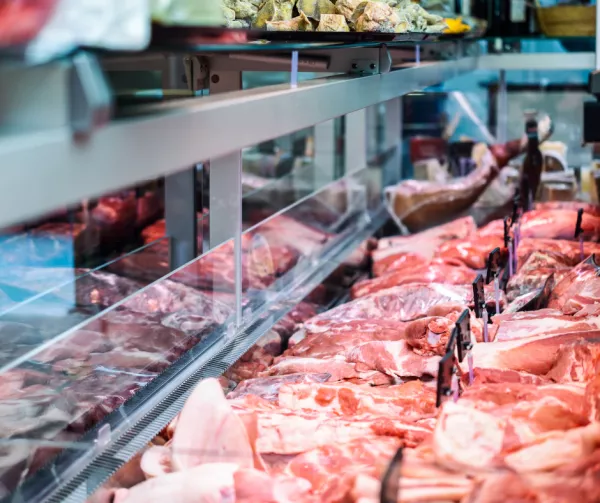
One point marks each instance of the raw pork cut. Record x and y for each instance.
(338, 367)
(397, 262)
(460, 228)
(409, 400)
(535, 355)
(547, 324)
(590, 209)
(429, 336)
(579, 288)
(558, 224)
(532, 275)
(268, 388)
(569, 250)
(401, 303)
(496, 425)
(472, 252)
(393, 358)
(433, 273)
(578, 362)
(339, 338)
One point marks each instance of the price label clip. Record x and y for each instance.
(579, 233)
(390, 484)
(464, 341)
(478, 296)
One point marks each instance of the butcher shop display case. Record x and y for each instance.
(205, 218)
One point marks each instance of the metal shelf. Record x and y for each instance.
(174, 136)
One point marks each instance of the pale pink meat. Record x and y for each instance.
(429, 273)
(408, 400)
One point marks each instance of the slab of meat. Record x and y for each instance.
(338, 367)
(331, 469)
(408, 400)
(535, 355)
(433, 273)
(96, 395)
(499, 376)
(169, 297)
(268, 388)
(429, 336)
(590, 209)
(250, 365)
(506, 421)
(569, 250)
(399, 261)
(472, 252)
(558, 224)
(401, 303)
(158, 231)
(547, 324)
(341, 337)
(393, 358)
(579, 288)
(290, 432)
(460, 228)
(419, 203)
(532, 275)
(577, 362)
(526, 315)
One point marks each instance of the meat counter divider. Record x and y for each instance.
(143, 416)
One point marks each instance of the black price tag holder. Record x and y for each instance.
(464, 345)
(479, 302)
(447, 379)
(508, 244)
(390, 485)
(579, 233)
(493, 271)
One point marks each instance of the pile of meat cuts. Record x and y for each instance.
(321, 422)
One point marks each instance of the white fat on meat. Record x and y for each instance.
(408, 400)
(527, 327)
(535, 355)
(209, 431)
(466, 439)
(393, 358)
(209, 483)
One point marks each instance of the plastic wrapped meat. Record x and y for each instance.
(100, 393)
(420, 204)
(579, 288)
(115, 218)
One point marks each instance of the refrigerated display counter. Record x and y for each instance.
(192, 236)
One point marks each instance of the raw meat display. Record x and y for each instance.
(318, 407)
(355, 384)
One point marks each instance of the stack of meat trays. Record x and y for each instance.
(469, 408)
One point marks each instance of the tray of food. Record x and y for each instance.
(318, 21)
